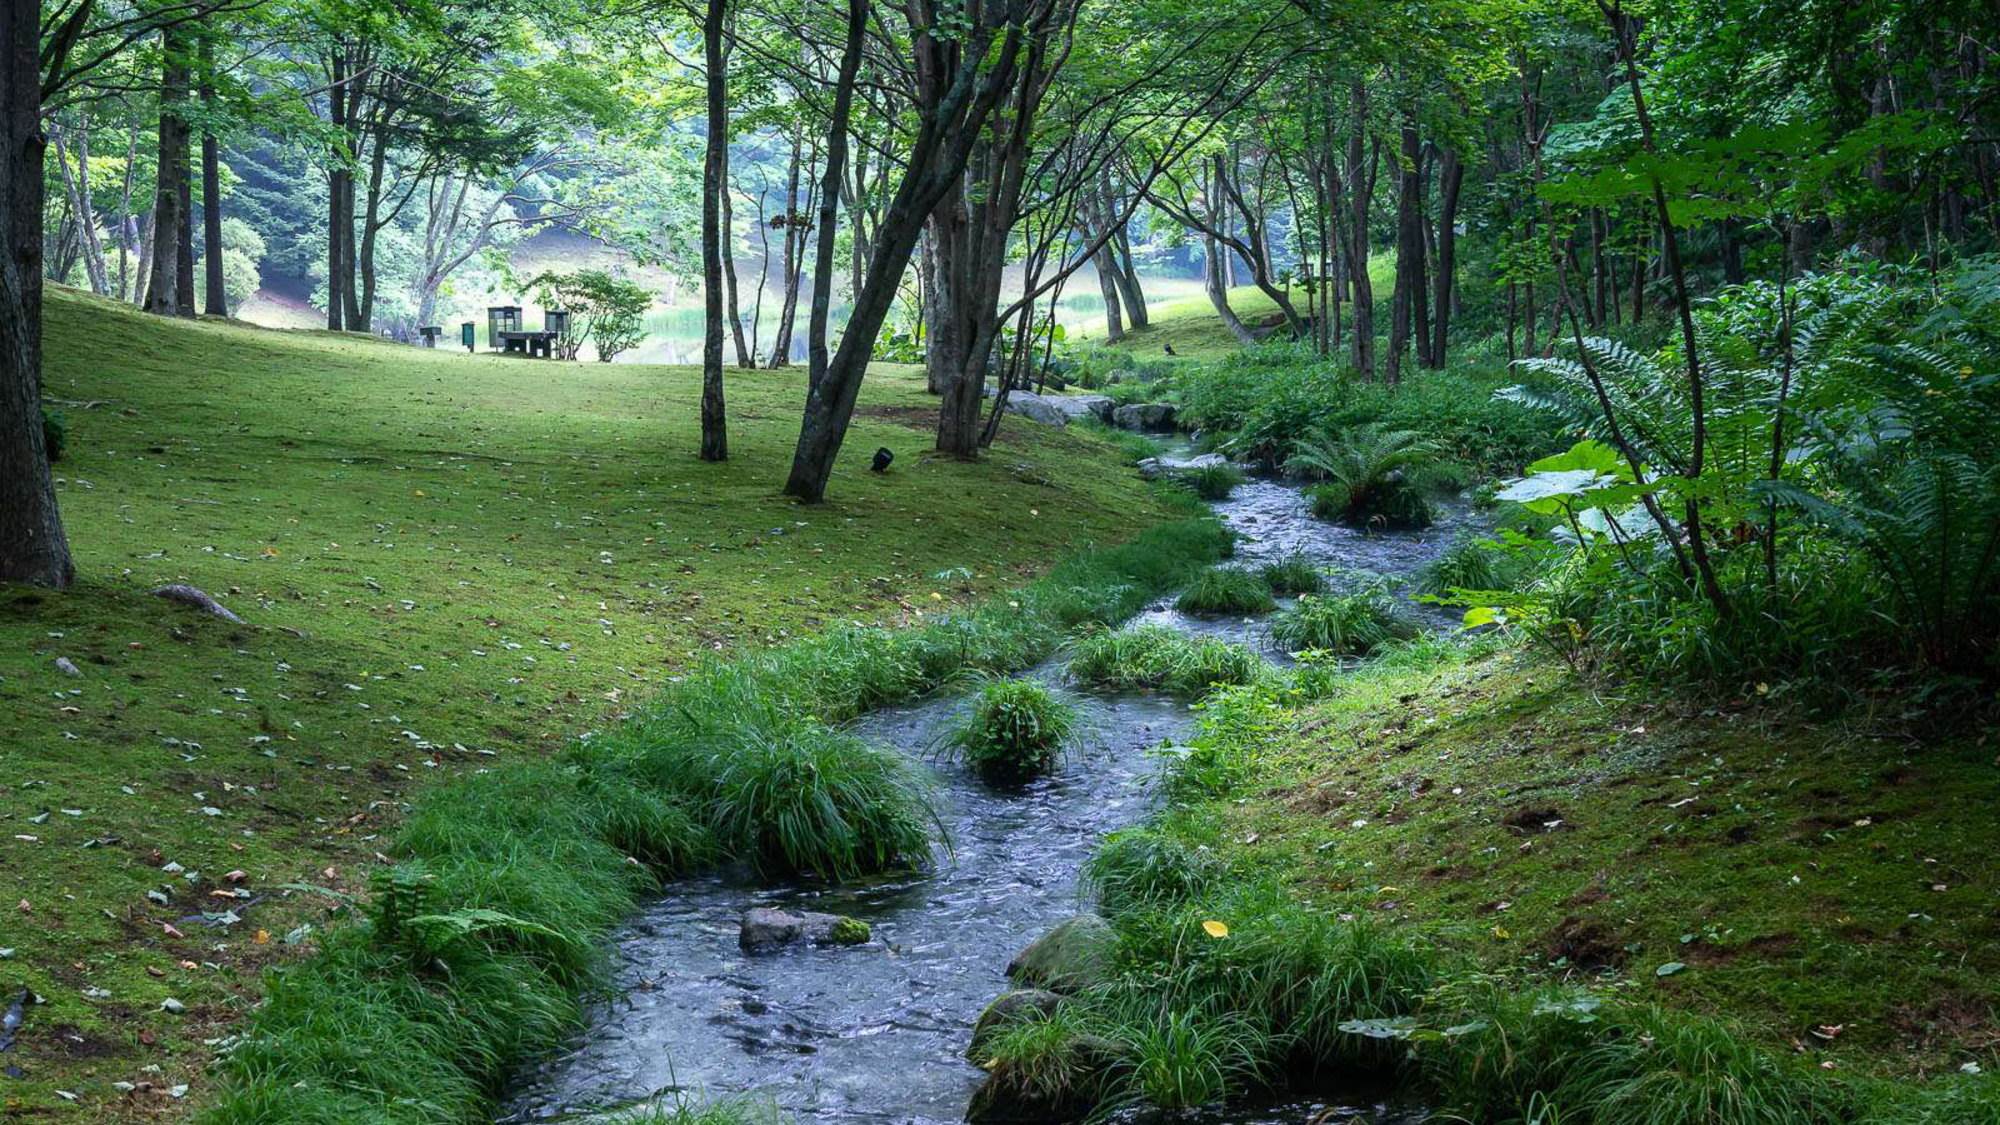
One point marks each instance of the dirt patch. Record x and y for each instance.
(74, 1042)
(1585, 943)
(1950, 1023)
(1534, 820)
(1770, 947)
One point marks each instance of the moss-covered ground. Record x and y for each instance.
(442, 561)
(1827, 886)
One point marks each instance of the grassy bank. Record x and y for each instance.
(1624, 907)
(444, 563)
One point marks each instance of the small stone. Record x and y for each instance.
(172, 1006)
(67, 666)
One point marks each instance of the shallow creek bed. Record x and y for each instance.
(877, 1031)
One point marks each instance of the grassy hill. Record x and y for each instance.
(442, 561)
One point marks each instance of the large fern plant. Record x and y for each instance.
(1370, 476)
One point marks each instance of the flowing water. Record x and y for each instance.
(874, 1033)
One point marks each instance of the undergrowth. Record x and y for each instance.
(1015, 732)
(1226, 590)
(1157, 658)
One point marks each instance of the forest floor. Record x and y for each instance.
(1825, 885)
(442, 561)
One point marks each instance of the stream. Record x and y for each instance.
(875, 1033)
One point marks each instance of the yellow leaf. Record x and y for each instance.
(263, 937)
(1215, 929)
(1500, 932)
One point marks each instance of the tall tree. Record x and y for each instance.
(170, 185)
(33, 547)
(714, 418)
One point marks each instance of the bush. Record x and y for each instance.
(1157, 658)
(1294, 574)
(1350, 624)
(55, 434)
(1225, 589)
(1212, 482)
(1370, 477)
(1016, 731)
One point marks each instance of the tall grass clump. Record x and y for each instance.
(1212, 482)
(1157, 658)
(1370, 477)
(1144, 868)
(1294, 574)
(1568, 1055)
(1224, 590)
(1352, 624)
(1015, 732)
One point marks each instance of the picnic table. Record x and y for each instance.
(529, 343)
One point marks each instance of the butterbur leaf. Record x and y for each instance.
(1669, 969)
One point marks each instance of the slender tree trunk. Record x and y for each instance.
(172, 174)
(336, 103)
(128, 227)
(1126, 273)
(184, 236)
(714, 418)
(77, 187)
(1215, 283)
(788, 276)
(1362, 155)
(735, 313)
(1114, 323)
(211, 192)
(1406, 306)
(1451, 175)
(33, 548)
(833, 176)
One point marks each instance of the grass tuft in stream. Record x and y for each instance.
(1016, 731)
(1212, 482)
(473, 948)
(1226, 590)
(1158, 658)
(1294, 574)
(1143, 868)
(1351, 624)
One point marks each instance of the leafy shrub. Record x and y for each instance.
(1015, 732)
(1352, 624)
(1369, 476)
(1157, 658)
(1212, 482)
(1226, 589)
(1294, 574)
(1470, 564)
(55, 434)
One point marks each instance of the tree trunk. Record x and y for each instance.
(184, 236)
(32, 546)
(211, 192)
(1114, 323)
(336, 110)
(735, 309)
(833, 176)
(1215, 283)
(1362, 156)
(714, 419)
(172, 174)
(788, 275)
(1408, 304)
(77, 187)
(1451, 175)
(1126, 274)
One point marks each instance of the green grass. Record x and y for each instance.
(1158, 658)
(1212, 482)
(445, 563)
(1226, 590)
(1822, 887)
(1015, 732)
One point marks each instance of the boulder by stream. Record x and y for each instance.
(1154, 468)
(1058, 410)
(767, 930)
(1076, 954)
(1146, 417)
